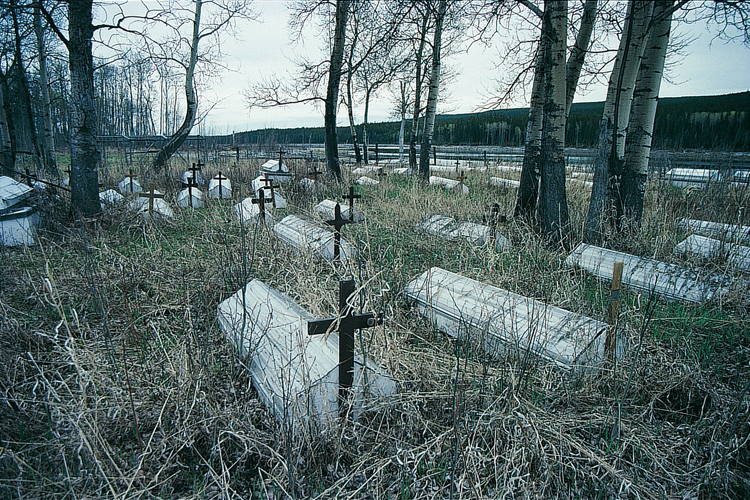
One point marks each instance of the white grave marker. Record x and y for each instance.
(219, 187)
(295, 374)
(247, 211)
(448, 229)
(190, 197)
(151, 204)
(18, 223)
(326, 210)
(305, 235)
(367, 181)
(504, 183)
(726, 232)
(501, 320)
(448, 184)
(129, 185)
(111, 197)
(736, 256)
(667, 280)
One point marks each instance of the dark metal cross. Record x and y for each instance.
(151, 195)
(462, 178)
(281, 154)
(337, 222)
(194, 171)
(348, 321)
(261, 202)
(457, 164)
(270, 186)
(351, 197)
(315, 173)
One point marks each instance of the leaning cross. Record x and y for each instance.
(348, 321)
(271, 186)
(337, 222)
(261, 202)
(351, 197)
(151, 195)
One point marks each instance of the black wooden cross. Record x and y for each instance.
(190, 185)
(194, 171)
(151, 195)
(270, 186)
(220, 178)
(281, 154)
(351, 197)
(337, 222)
(30, 178)
(462, 178)
(457, 164)
(381, 175)
(261, 202)
(348, 321)
(132, 177)
(314, 173)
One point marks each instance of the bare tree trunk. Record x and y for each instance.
(350, 110)
(553, 205)
(174, 142)
(84, 151)
(642, 114)
(332, 95)
(614, 118)
(23, 85)
(418, 91)
(578, 52)
(402, 109)
(365, 137)
(528, 190)
(432, 96)
(48, 139)
(7, 156)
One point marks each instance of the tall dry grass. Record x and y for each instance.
(118, 383)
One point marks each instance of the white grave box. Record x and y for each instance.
(367, 181)
(277, 172)
(669, 281)
(367, 170)
(448, 184)
(111, 197)
(159, 209)
(726, 232)
(191, 197)
(448, 229)
(276, 200)
(692, 177)
(188, 178)
(18, 226)
(129, 185)
(402, 171)
(310, 185)
(501, 320)
(306, 236)
(295, 374)
(326, 209)
(247, 211)
(504, 183)
(437, 225)
(736, 256)
(219, 187)
(12, 192)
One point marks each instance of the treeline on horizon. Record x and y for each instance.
(720, 123)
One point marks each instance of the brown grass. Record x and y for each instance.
(118, 383)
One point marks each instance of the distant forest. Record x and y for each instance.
(706, 123)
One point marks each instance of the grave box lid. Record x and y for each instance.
(305, 235)
(273, 166)
(326, 210)
(18, 226)
(12, 192)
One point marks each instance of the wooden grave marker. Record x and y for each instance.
(338, 222)
(270, 186)
(348, 321)
(613, 312)
(351, 197)
(261, 202)
(151, 195)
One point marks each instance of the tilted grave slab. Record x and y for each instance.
(307, 236)
(326, 210)
(448, 184)
(276, 171)
(727, 232)
(735, 256)
(445, 169)
(500, 320)
(403, 171)
(12, 192)
(247, 211)
(504, 183)
(692, 177)
(367, 181)
(296, 374)
(219, 187)
(310, 185)
(448, 229)
(129, 185)
(191, 197)
(111, 197)
(669, 281)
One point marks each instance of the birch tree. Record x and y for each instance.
(48, 139)
(332, 93)
(432, 96)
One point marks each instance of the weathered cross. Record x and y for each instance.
(151, 195)
(270, 186)
(381, 175)
(457, 164)
(30, 178)
(281, 154)
(194, 171)
(495, 218)
(351, 197)
(261, 202)
(348, 321)
(337, 222)
(315, 173)
(462, 178)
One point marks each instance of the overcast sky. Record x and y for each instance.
(708, 67)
